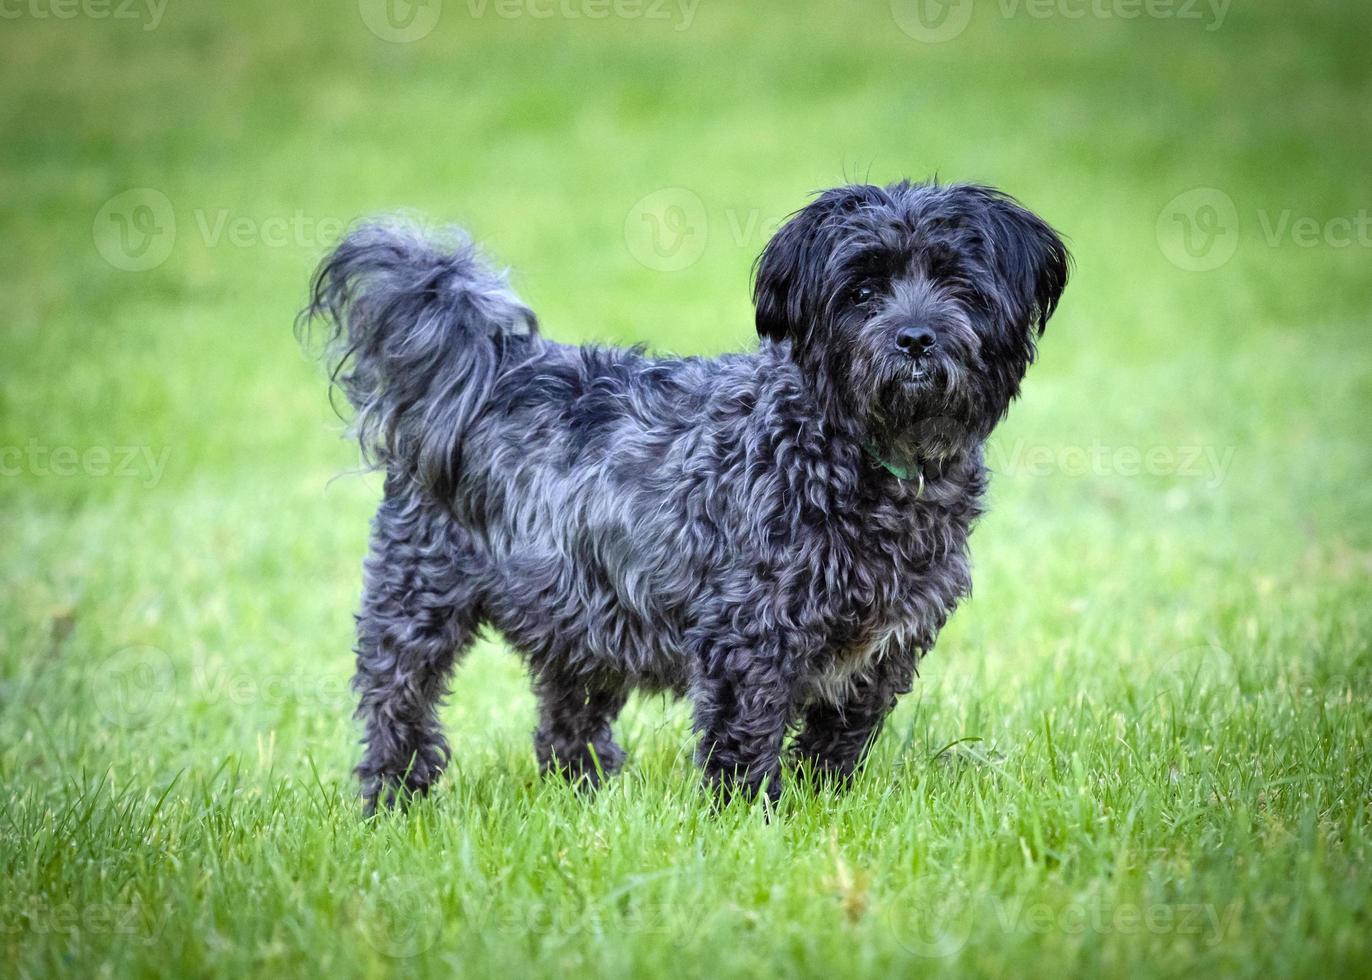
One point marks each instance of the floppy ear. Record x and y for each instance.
(1029, 258)
(788, 284)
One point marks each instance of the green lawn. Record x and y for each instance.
(1143, 749)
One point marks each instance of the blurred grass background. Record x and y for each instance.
(1163, 681)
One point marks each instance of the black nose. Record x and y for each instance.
(916, 341)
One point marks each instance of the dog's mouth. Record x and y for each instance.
(925, 373)
(923, 407)
(912, 387)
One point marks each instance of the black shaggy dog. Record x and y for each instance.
(777, 535)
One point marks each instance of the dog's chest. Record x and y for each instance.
(904, 580)
(839, 669)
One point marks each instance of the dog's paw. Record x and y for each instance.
(725, 786)
(584, 764)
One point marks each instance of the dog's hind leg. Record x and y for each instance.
(573, 736)
(419, 614)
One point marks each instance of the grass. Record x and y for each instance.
(1143, 749)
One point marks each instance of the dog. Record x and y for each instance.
(777, 535)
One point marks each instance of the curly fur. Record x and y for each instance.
(777, 535)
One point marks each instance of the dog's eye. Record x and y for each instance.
(863, 294)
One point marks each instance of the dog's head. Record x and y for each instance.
(915, 307)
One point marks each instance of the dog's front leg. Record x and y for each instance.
(744, 696)
(834, 737)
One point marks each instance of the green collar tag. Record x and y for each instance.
(899, 472)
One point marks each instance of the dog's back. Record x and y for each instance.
(578, 480)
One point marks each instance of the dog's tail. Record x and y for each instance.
(418, 326)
